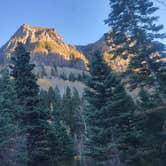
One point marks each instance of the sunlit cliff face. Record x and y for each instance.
(44, 43)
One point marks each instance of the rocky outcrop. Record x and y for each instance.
(46, 46)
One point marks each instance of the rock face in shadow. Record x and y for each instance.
(46, 46)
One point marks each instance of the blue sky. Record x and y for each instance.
(78, 21)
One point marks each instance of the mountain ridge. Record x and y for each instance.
(48, 50)
(44, 44)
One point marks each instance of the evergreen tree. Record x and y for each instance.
(59, 141)
(63, 76)
(77, 113)
(153, 144)
(59, 144)
(9, 124)
(54, 101)
(134, 32)
(67, 108)
(147, 101)
(43, 95)
(72, 77)
(61, 151)
(108, 108)
(55, 68)
(34, 119)
(125, 130)
(79, 77)
(57, 102)
(71, 112)
(51, 98)
(53, 73)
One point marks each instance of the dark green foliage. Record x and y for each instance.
(54, 101)
(25, 81)
(77, 113)
(68, 110)
(108, 113)
(55, 67)
(53, 73)
(71, 77)
(83, 76)
(99, 134)
(63, 76)
(9, 124)
(47, 141)
(61, 152)
(59, 145)
(124, 131)
(51, 98)
(57, 105)
(162, 78)
(43, 95)
(33, 118)
(151, 151)
(147, 101)
(151, 123)
(79, 78)
(134, 18)
(134, 29)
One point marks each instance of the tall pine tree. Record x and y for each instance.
(34, 119)
(108, 109)
(10, 149)
(134, 32)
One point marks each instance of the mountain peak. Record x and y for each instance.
(36, 28)
(40, 41)
(35, 33)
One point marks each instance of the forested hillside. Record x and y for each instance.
(102, 104)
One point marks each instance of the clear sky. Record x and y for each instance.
(78, 21)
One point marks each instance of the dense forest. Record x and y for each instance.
(105, 125)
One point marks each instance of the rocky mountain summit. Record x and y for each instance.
(46, 47)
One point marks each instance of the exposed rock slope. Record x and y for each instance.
(46, 47)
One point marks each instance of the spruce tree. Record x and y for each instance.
(34, 119)
(59, 143)
(134, 32)
(67, 110)
(147, 101)
(61, 146)
(57, 99)
(9, 122)
(71, 77)
(125, 132)
(108, 108)
(77, 112)
(71, 111)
